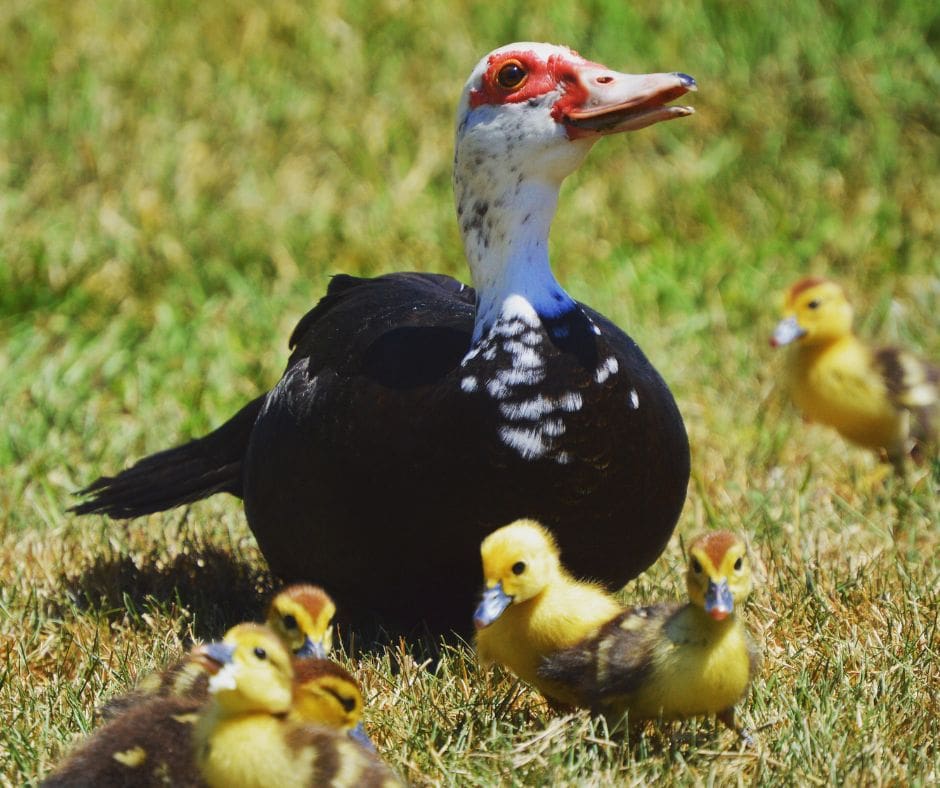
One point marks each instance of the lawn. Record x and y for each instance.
(178, 181)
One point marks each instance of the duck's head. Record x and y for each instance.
(528, 115)
(251, 671)
(302, 616)
(520, 561)
(815, 312)
(719, 575)
(326, 694)
(534, 110)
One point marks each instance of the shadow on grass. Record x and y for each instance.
(217, 589)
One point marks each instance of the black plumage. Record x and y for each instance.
(380, 488)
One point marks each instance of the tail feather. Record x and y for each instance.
(173, 477)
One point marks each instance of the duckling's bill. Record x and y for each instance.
(217, 659)
(719, 601)
(788, 330)
(359, 735)
(492, 605)
(213, 656)
(315, 649)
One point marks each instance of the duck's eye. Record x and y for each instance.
(738, 564)
(518, 568)
(348, 704)
(696, 566)
(290, 622)
(260, 653)
(814, 304)
(511, 75)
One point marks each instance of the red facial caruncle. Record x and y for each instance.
(590, 99)
(518, 76)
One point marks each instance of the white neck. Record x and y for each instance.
(509, 164)
(506, 244)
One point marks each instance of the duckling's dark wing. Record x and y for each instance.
(613, 662)
(186, 679)
(149, 745)
(913, 385)
(337, 761)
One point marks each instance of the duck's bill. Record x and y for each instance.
(359, 734)
(213, 656)
(787, 331)
(719, 602)
(312, 649)
(492, 605)
(617, 102)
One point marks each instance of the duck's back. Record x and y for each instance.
(840, 385)
(150, 744)
(261, 750)
(402, 447)
(698, 667)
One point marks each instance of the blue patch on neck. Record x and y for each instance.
(572, 331)
(557, 307)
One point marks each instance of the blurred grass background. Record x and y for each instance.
(179, 180)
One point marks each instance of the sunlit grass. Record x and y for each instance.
(179, 180)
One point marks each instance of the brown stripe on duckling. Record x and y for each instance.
(307, 595)
(306, 670)
(715, 545)
(325, 761)
(805, 284)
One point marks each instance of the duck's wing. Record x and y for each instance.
(913, 384)
(613, 662)
(389, 327)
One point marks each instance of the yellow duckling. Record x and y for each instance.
(669, 660)
(531, 606)
(151, 743)
(300, 614)
(884, 399)
(326, 693)
(245, 736)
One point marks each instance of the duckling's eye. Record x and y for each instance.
(290, 622)
(346, 702)
(696, 566)
(738, 564)
(511, 75)
(518, 568)
(260, 653)
(814, 304)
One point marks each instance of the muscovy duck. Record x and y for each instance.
(417, 414)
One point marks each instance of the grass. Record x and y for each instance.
(179, 180)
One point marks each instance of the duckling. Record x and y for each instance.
(300, 614)
(150, 744)
(326, 693)
(884, 399)
(532, 606)
(670, 660)
(246, 737)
